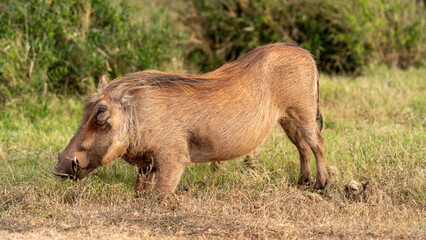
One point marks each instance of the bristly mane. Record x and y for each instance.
(122, 86)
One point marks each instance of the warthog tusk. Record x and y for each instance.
(60, 174)
(74, 167)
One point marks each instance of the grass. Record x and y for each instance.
(374, 131)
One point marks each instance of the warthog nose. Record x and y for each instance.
(65, 169)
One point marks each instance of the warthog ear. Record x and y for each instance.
(102, 83)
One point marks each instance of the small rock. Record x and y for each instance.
(353, 186)
(333, 170)
(356, 190)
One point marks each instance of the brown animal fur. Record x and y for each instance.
(160, 122)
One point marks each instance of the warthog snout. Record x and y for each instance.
(67, 168)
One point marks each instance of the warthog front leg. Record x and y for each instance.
(145, 180)
(162, 176)
(169, 174)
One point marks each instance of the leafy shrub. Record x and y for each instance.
(396, 31)
(342, 35)
(63, 46)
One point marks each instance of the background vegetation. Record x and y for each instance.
(52, 52)
(344, 36)
(65, 46)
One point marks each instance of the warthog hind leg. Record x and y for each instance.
(215, 166)
(251, 158)
(300, 125)
(296, 137)
(317, 145)
(314, 139)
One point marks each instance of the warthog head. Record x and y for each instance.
(98, 141)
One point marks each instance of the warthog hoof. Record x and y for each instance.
(305, 179)
(319, 185)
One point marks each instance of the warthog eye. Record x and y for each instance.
(102, 115)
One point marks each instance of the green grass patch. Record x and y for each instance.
(374, 130)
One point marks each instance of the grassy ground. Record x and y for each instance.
(374, 132)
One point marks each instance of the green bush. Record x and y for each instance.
(64, 46)
(342, 35)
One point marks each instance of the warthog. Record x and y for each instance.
(160, 122)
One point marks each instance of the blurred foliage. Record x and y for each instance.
(52, 46)
(64, 46)
(343, 36)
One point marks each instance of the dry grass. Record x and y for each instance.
(284, 212)
(375, 132)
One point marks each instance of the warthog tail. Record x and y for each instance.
(320, 121)
(319, 116)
